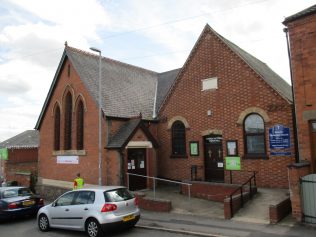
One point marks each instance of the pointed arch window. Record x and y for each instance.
(178, 139)
(80, 126)
(57, 129)
(68, 121)
(254, 135)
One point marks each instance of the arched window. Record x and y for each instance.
(254, 135)
(57, 129)
(68, 121)
(178, 139)
(80, 125)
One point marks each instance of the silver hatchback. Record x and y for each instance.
(93, 210)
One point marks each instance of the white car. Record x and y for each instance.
(93, 210)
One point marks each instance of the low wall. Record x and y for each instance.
(279, 211)
(209, 191)
(151, 204)
(50, 193)
(231, 209)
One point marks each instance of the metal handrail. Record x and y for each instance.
(240, 188)
(154, 183)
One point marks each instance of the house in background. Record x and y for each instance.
(301, 30)
(180, 125)
(22, 157)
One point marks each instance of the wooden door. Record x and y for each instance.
(213, 158)
(137, 165)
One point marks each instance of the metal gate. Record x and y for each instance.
(308, 189)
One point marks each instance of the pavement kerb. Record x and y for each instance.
(179, 231)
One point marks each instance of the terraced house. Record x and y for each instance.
(181, 124)
(301, 31)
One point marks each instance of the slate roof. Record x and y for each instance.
(122, 135)
(306, 12)
(128, 90)
(26, 139)
(126, 132)
(165, 81)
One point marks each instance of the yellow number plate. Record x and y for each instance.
(28, 203)
(128, 218)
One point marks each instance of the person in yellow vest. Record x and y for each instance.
(78, 182)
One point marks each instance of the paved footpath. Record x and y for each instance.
(202, 226)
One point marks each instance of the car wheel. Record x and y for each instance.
(93, 228)
(43, 223)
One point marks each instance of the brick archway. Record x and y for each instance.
(250, 110)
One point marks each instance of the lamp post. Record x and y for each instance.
(100, 114)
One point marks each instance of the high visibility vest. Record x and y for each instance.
(78, 183)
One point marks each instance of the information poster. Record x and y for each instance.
(232, 163)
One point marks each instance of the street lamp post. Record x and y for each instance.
(100, 116)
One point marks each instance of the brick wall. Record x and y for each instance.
(209, 191)
(279, 211)
(302, 34)
(88, 162)
(20, 165)
(239, 88)
(296, 171)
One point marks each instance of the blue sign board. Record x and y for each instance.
(279, 137)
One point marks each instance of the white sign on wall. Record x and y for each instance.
(67, 159)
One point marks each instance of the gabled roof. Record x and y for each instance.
(306, 12)
(127, 90)
(266, 73)
(126, 132)
(26, 139)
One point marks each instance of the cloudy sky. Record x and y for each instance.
(156, 35)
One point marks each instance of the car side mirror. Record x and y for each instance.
(54, 204)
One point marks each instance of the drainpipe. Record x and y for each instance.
(297, 152)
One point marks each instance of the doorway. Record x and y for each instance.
(213, 158)
(136, 164)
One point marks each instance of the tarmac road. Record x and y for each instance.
(28, 228)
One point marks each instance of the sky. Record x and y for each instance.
(156, 35)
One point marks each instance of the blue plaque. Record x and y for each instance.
(279, 137)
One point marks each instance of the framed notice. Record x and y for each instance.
(232, 148)
(194, 148)
(232, 163)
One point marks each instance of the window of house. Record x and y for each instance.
(68, 121)
(178, 139)
(254, 137)
(57, 129)
(210, 83)
(80, 125)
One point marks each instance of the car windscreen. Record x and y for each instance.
(117, 195)
(15, 192)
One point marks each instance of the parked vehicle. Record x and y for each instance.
(93, 210)
(18, 201)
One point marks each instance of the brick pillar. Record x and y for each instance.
(297, 170)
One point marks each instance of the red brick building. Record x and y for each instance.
(301, 30)
(21, 165)
(179, 124)
(245, 99)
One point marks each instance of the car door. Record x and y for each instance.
(60, 211)
(82, 207)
